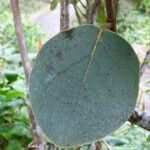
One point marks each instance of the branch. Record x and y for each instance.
(94, 9)
(78, 148)
(82, 4)
(138, 117)
(141, 119)
(116, 6)
(26, 66)
(53, 147)
(20, 38)
(77, 14)
(98, 145)
(64, 14)
(88, 11)
(111, 15)
(89, 146)
(146, 63)
(84, 15)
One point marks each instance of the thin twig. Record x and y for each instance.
(88, 11)
(53, 147)
(106, 144)
(64, 14)
(111, 15)
(139, 117)
(116, 6)
(77, 14)
(98, 145)
(78, 148)
(82, 4)
(94, 9)
(89, 146)
(26, 66)
(21, 39)
(84, 15)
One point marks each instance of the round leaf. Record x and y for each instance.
(11, 76)
(72, 112)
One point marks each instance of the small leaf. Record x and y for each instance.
(14, 145)
(116, 141)
(101, 17)
(14, 103)
(10, 75)
(14, 94)
(20, 129)
(53, 4)
(148, 138)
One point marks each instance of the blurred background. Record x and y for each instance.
(41, 21)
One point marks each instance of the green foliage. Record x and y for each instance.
(101, 17)
(11, 76)
(7, 35)
(72, 112)
(134, 27)
(14, 122)
(53, 4)
(14, 131)
(142, 5)
(129, 137)
(4, 5)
